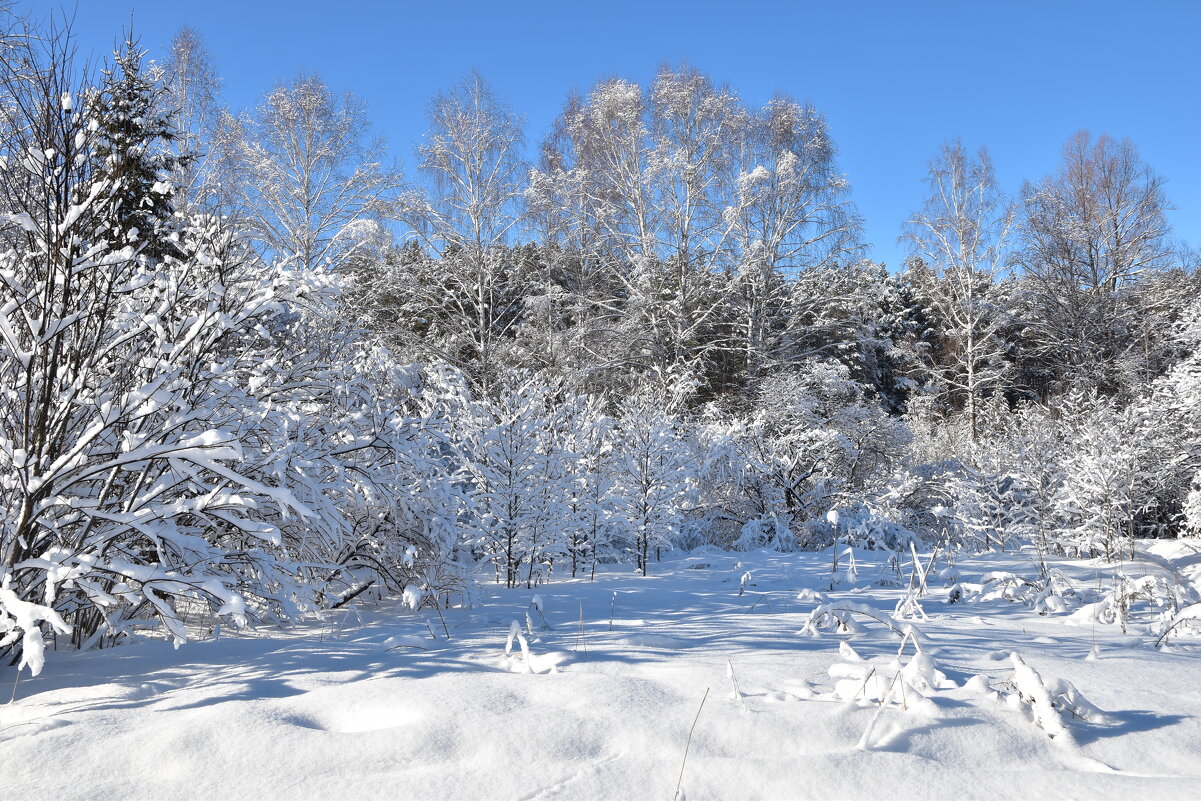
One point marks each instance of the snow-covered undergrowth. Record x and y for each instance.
(869, 688)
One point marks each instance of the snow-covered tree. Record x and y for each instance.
(791, 216)
(466, 219)
(1090, 233)
(654, 477)
(518, 476)
(302, 169)
(192, 102)
(821, 442)
(1103, 490)
(1170, 423)
(959, 241)
(589, 491)
(131, 149)
(644, 175)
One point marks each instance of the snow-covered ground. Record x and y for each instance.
(377, 703)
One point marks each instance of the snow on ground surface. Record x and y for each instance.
(379, 708)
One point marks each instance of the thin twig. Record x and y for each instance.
(734, 684)
(580, 635)
(438, 609)
(688, 745)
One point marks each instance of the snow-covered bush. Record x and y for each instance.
(771, 532)
(1047, 701)
(127, 472)
(814, 442)
(870, 525)
(1171, 420)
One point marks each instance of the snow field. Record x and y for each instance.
(368, 704)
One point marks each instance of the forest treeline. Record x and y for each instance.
(249, 371)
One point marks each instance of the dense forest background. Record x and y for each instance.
(249, 370)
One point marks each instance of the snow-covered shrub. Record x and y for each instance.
(840, 617)
(888, 682)
(814, 442)
(1149, 599)
(866, 525)
(1170, 424)
(984, 507)
(124, 396)
(1046, 700)
(1051, 593)
(769, 532)
(381, 431)
(1187, 618)
(126, 408)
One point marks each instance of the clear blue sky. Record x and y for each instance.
(895, 79)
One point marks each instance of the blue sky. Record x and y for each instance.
(895, 79)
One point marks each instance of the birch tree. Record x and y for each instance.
(791, 215)
(646, 173)
(1090, 233)
(960, 237)
(192, 100)
(304, 171)
(465, 218)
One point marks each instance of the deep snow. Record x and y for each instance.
(376, 703)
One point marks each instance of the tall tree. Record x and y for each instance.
(791, 215)
(131, 150)
(192, 101)
(466, 218)
(644, 173)
(304, 171)
(960, 238)
(703, 212)
(1090, 232)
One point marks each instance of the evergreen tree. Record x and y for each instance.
(131, 152)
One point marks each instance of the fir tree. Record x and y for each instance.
(131, 151)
